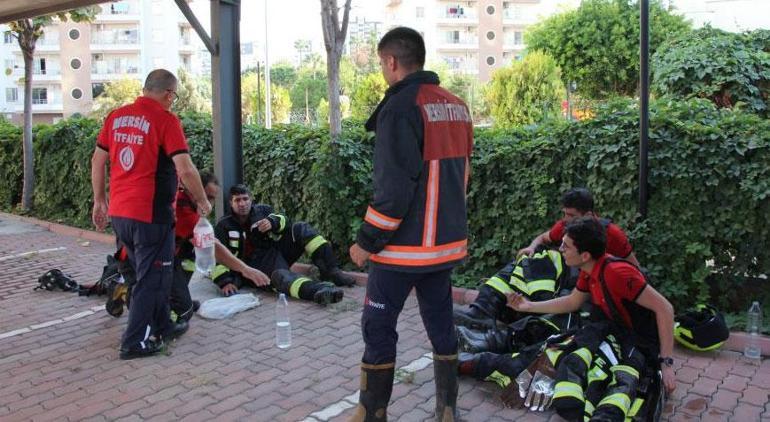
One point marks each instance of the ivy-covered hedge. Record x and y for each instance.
(709, 187)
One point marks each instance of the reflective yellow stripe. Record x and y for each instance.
(638, 402)
(314, 244)
(519, 271)
(556, 259)
(568, 389)
(538, 285)
(498, 284)
(584, 354)
(520, 285)
(500, 379)
(551, 324)
(218, 271)
(589, 409)
(619, 400)
(295, 285)
(627, 369)
(553, 355)
(188, 265)
(281, 221)
(233, 243)
(596, 374)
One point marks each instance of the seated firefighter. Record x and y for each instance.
(186, 213)
(271, 243)
(639, 317)
(576, 203)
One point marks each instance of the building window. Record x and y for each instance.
(8, 37)
(97, 89)
(518, 38)
(490, 10)
(39, 95)
(74, 34)
(77, 93)
(490, 35)
(11, 95)
(420, 12)
(10, 64)
(38, 66)
(490, 60)
(75, 64)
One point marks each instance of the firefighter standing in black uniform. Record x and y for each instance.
(271, 243)
(415, 229)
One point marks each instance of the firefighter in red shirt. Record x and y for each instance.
(147, 151)
(638, 310)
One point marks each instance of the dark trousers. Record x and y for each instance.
(386, 292)
(285, 251)
(150, 250)
(180, 300)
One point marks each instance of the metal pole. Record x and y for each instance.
(226, 98)
(644, 103)
(268, 113)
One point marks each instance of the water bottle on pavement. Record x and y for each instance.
(282, 323)
(203, 240)
(753, 350)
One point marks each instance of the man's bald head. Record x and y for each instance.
(160, 85)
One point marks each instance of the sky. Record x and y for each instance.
(289, 20)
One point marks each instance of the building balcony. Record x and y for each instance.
(102, 70)
(511, 18)
(454, 15)
(466, 43)
(38, 106)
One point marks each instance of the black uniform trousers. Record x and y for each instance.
(150, 250)
(386, 291)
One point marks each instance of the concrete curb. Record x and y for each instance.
(460, 295)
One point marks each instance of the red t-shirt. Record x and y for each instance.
(617, 241)
(186, 216)
(624, 282)
(141, 138)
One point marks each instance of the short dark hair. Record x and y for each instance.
(160, 81)
(239, 189)
(578, 198)
(589, 235)
(406, 45)
(208, 177)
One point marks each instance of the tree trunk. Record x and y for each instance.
(334, 40)
(27, 42)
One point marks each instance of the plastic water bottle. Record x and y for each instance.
(753, 326)
(282, 323)
(203, 240)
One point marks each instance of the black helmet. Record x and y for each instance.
(701, 329)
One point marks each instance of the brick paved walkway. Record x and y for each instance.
(58, 358)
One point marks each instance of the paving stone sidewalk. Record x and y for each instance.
(59, 358)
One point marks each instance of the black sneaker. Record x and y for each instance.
(341, 279)
(151, 348)
(177, 329)
(196, 305)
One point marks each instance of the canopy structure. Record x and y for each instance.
(224, 46)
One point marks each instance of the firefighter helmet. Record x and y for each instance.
(701, 329)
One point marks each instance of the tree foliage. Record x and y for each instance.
(191, 94)
(253, 100)
(526, 91)
(283, 74)
(116, 93)
(727, 68)
(597, 44)
(367, 95)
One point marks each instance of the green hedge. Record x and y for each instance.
(709, 187)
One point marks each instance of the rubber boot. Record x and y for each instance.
(483, 312)
(301, 287)
(445, 369)
(494, 341)
(376, 387)
(324, 259)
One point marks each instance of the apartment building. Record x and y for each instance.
(73, 61)
(472, 36)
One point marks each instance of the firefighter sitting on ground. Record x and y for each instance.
(271, 243)
(489, 305)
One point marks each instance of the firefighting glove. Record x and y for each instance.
(534, 386)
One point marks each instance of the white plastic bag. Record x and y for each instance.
(224, 307)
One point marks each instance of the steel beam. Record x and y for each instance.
(188, 13)
(226, 99)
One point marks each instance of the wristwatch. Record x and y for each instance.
(666, 360)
